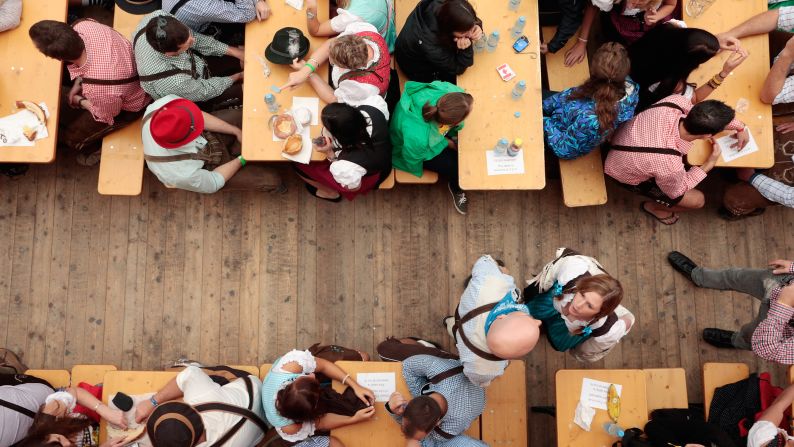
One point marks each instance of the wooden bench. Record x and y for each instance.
(427, 178)
(583, 178)
(90, 374)
(504, 420)
(716, 375)
(131, 383)
(666, 388)
(58, 378)
(121, 166)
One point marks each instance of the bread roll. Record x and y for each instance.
(293, 144)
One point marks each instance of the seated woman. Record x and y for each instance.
(70, 417)
(577, 120)
(296, 405)
(663, 59)
(424, 132)
(629, 20)
(579, 304)
(436, 41)
(355, 142)
(379, 14)
(359, 62)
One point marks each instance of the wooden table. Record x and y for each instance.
(633, 413)
(382, 430)
(745, 82)
(492, 117)
(131, 383)
(26, 74)
(666, 388)
(259, 144)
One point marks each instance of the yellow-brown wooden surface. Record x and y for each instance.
(666, 388)
(428, 177)
(58, 378)
(716, 375)
(389, 182)
(90, 374)
(121, 165)
(258, 137)
(492, 116)
(26, 74)
(745, 82)
(253, 370)
(633, 406)
(504, 420)
(583, 178)
(382, 430)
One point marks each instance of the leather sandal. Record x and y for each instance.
(669, 220)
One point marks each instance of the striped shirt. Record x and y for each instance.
(773, 339)
(465, 400)
(198, 14)
(657, 128)
(108, 57)
(150, 62)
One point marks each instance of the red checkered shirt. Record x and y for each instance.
(656, 128)
(109, 57)
(773, 339)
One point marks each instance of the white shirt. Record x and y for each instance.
(13, 425)
(343, 19)
(198, 388)
(184, 174)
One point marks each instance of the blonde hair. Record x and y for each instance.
(349, 52)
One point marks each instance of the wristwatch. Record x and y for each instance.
(310, 15)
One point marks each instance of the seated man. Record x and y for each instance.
(491, 326)
(647, 153)
(106, 94)
(187, 423)
(771, 333)
(182, 155)
(443, 404)
(171, 61)
(222, 19)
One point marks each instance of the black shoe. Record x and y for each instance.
(718, 337)
(459, 199)
(681, 263)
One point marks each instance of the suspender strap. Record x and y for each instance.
(170, 158)
(167, 73)
(246, 414)
(438, 378)
(667, 104)
(647, 150)
(17, 408)
(177, 6)
(129, 80)
(442, 433)
(457, 330)
(611, 320)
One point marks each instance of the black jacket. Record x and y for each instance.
(421, 53)
(565, 14)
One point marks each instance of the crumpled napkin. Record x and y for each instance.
(583, 416)
(297, 4)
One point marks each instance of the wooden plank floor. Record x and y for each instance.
(241, 278)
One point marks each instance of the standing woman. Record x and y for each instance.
(579, 304)
(355, 142)
(424, 131)
(436, 41)
(577, 120)
(378, 13)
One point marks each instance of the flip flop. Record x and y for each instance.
(313, 191)
(669, 220)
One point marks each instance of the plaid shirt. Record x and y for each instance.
(773, 190)
(773, 339)
(109, 57)
(656, 128)
(198, 14)
(465, 400)
(151, 61)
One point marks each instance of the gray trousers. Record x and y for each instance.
(758, 283)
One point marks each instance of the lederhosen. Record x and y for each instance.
(532, 291)
(649, 188)
(117, 124)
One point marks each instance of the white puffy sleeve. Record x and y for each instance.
(64, 397)
(595, 348)
(307, 429)
(303, 358)
(347, 173)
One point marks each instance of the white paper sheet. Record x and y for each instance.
(729, 153)
(504, 164)
(11, 127)
(311, 103)
(594, 393)
(305, 155)
(382, 384)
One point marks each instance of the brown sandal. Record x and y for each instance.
(669, 220)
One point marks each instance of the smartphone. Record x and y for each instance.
(521, 44)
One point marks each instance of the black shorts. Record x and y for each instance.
(650, 189)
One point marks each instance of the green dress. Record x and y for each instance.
(415, 140)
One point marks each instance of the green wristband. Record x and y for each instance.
(242, 160)
(312, 67)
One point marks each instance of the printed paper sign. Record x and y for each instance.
(382, 384)
(504, 164)
(594, 393)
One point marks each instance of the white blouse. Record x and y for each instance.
(307, 362)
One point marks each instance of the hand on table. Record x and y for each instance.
(297, 77)
(364, 394)
(780, 266)
(734, 61)
(397, 403)
(728, 42)
(576, 54)
(364, 414)
(115, 417)
(263, 10)
(143, 410)
(741, 139)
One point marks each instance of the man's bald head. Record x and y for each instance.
(513, 335)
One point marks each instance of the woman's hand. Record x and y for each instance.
(463, 42)
(364, 394)
(475, 33)
(364, 414)
(652, 17)
(728, 43)
(576, 54)
(397, 403)
(115, 417)
(325, 147)
(297, 77)
(734, 61)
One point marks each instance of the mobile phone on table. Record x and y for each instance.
(521, 44)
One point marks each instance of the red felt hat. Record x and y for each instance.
(176, 123)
